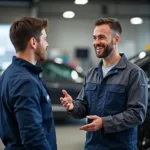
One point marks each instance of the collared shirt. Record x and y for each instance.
(120, 99)
(26, 119)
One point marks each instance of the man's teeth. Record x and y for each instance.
(99, 48)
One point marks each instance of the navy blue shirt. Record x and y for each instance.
(26, 119)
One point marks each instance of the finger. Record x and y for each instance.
(61, 98)
(92, 117)
(65, 104)
(91, 129)
(88, 129)
(65, 92)
(62, 102)
(86, 126)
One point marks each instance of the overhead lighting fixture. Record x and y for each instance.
(68, 14)
(81, 2)
(136, 20)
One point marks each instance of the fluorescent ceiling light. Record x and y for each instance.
(81, 2)
(68, 14)
(136, 20)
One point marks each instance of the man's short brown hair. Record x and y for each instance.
(113, 23)
(25, 28)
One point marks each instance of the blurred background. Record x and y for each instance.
(71, 53)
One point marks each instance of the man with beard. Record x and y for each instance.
(26, 119)
(114, 94)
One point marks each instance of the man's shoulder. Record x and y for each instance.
(14, 69)
(91, 70)
(16, 75)
(91, 75)
(132, 66)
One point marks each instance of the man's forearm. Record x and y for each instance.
(79, 111)
(122, 121)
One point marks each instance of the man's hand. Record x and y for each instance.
(67, 100)
(93, 126)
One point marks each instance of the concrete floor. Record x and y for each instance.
(70, 138)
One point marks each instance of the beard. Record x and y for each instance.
(40, 53)
(107, 50)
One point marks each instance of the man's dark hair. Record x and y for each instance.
(113, 23)
(25, 28)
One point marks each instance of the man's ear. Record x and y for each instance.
(33, 42)
(116, 39)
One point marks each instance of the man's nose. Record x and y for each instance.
(96, 41)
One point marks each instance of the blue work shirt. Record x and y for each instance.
(26, 119)
(120, 99)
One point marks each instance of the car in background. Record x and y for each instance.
(58, 76)
(143, 61)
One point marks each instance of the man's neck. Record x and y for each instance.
(111, 59)
(26, 56)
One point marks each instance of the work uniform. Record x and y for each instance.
(26, 119)
(120, 99)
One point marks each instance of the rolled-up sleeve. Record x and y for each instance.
(26, 103)
(136, 105)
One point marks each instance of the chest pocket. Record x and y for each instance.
(115, 99)
(90, 90)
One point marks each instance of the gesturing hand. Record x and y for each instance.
(67, 100)
(93, 126)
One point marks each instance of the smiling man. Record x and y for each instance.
(26, 119)
(114, 95)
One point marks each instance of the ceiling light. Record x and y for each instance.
(68, 14)
(81, 2)
(136, 20)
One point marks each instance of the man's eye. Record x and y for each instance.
(101, 37)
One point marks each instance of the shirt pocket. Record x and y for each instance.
(90, 90)
(115, 99)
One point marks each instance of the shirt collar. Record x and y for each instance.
(121, 64)
(33, 68)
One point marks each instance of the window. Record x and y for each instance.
(6, 48)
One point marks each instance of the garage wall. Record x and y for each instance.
(77, 32)
(69, 34)
(7, 14)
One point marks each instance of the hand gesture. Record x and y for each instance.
(93, 126)
(67, 100)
